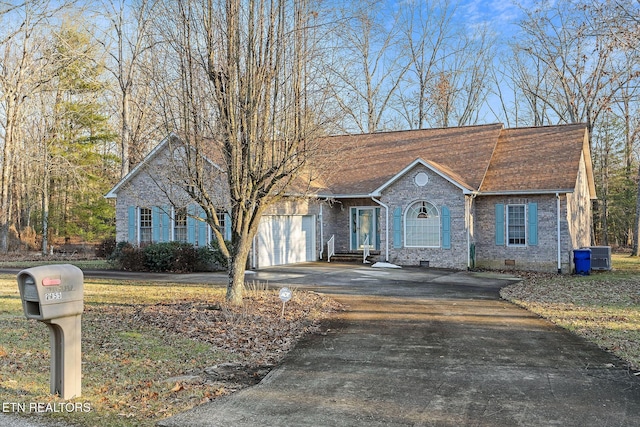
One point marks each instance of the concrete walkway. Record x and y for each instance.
(421, 347)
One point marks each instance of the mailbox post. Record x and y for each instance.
(53, 294)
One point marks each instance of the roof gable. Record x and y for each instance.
(440, 170)
(170, 141)
(538, 159)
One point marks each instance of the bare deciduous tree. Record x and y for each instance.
(449, 64)
(368, 65)
(128, 45)
(241, 80)
(578, 68)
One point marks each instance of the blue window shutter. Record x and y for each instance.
(165, 224)
(533, 224)
(155, 224)
(191, 224)
(397, 227)
(445, 218)
(227, 226)
(203, 228)
(133, 224)
(500, 224)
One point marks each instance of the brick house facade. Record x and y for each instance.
(476, 196)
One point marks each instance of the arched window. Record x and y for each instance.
(422, 225)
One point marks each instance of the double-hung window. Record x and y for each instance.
(516, 225)
(146, 230)
(180, 225)
(225, 225)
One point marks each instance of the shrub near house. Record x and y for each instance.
(171, 256)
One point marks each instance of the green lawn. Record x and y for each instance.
(603, 307)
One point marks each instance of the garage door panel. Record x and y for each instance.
(285, 240)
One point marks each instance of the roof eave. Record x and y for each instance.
(343, 196)
(525, 192)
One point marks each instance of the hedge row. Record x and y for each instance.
(174, 257)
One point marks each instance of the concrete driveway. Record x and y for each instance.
(422, 347)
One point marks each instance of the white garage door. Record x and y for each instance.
(285, 239)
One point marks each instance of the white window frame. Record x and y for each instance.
(179, 224)
(222, 221)
(409, 221)
(144, 230)
(524, 225)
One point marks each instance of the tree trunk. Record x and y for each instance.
(45, 210)
(5, 189)
(636, 224)
(237, 266)
(125, 140)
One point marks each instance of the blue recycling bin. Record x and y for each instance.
(582, 261)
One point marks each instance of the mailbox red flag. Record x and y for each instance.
(51, 281)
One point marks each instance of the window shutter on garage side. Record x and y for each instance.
(397, 227)
(445, 218)
(191, 224)
(203, 227)
(132, 219)
(155, 224)
(533, 224)
(165, 220)
(499, 224)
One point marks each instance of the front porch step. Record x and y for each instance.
(352, 257)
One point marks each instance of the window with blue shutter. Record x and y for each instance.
(532, 223)
(516, 225)
(445, 218)
(499, 230)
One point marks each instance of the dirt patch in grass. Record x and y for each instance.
(604, 307)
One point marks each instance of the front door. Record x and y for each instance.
(364, 228)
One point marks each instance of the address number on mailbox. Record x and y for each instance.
(52, 296)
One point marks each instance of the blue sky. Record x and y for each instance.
(500, 15)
